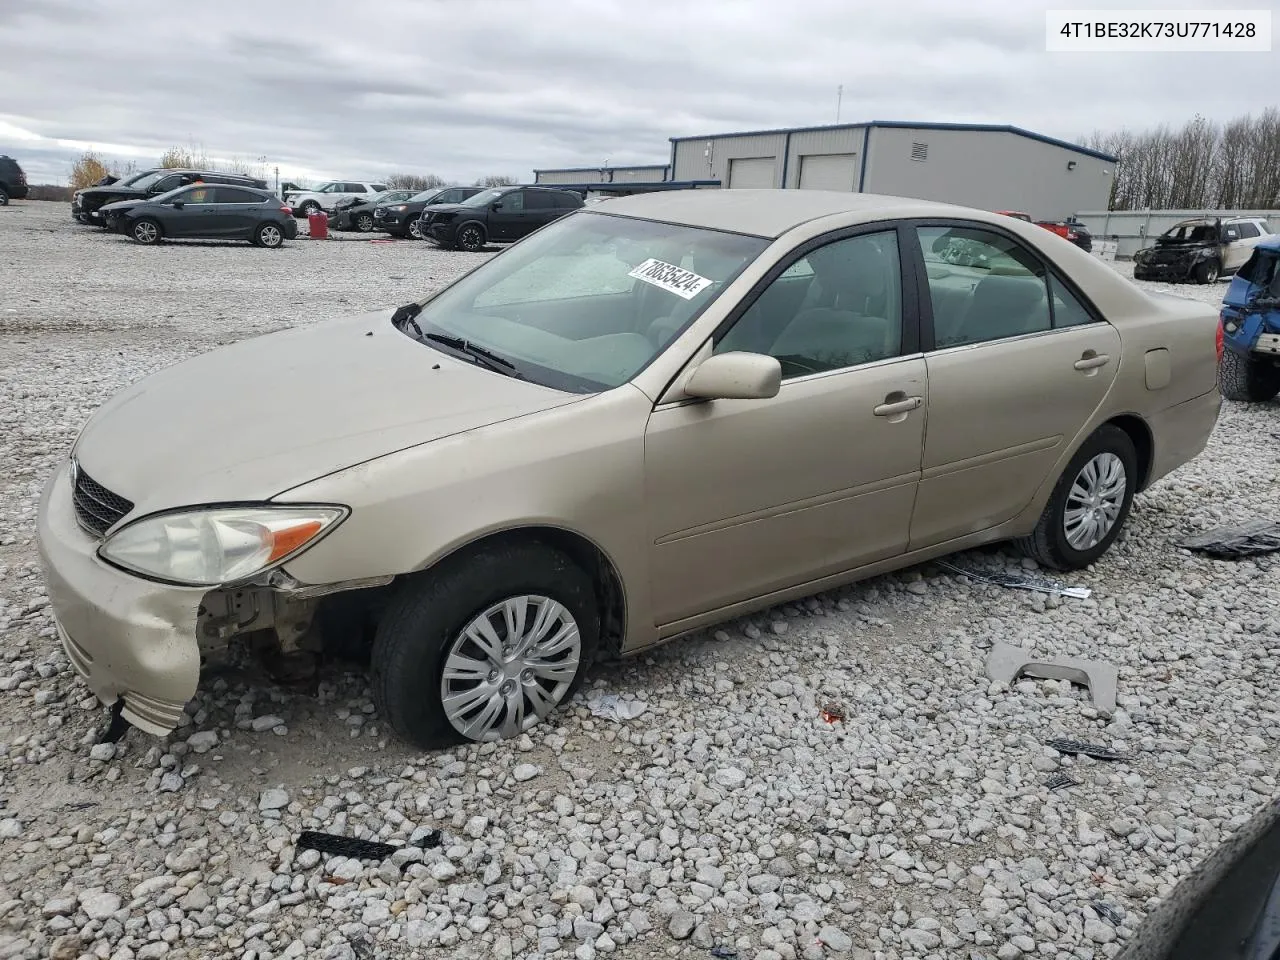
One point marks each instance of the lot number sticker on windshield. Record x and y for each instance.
(683, 283)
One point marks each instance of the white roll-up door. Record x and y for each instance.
(753, 172)
(829, 171)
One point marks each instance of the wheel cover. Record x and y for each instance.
(510, 667)
(270, 236)
(145, 231)
(365, 223)
(414, 230)
(1094, 502)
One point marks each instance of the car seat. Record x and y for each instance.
(1001, 306)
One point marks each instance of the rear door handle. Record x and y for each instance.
(895, 407)
(1092, 361)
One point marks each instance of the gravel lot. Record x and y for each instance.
(727, 814)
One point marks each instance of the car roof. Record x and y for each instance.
(771, 213)
(1271, 243)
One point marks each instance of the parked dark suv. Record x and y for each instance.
(501, 215)
(150, 183)
(13, 182)
(400, 219)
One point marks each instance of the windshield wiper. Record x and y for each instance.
(485, 357)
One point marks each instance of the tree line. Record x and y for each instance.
(90, 168)
(1203, 164)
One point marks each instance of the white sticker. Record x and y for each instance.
(683, 283)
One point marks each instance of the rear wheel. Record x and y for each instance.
(1089, 504)
(1207, 272)
(146, 231)
(1249, 379)
(485, 647)
(309, 208)
(470, 237)
(364, 223)
(268, 235)
(4, 197)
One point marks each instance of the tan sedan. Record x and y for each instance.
(652, 415)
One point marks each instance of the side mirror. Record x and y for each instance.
(178, 204)
(736, 376)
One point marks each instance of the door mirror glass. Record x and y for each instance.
(736, 376)
(496, 205)
(178, 204)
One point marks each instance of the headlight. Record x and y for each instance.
(398, 207)
(216, 545)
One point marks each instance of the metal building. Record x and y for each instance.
(640, 174)
(988, 166)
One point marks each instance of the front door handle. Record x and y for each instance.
(1091, 361)
(898, 405)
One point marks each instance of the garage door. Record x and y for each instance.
(828, 171)
(752, 172)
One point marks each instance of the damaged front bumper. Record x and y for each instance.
(1168, 267)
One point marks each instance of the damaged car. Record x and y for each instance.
(1200, 249)
(1249, 335)
(647, 417)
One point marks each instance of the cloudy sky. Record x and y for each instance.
(363, 89)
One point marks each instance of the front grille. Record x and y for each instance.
(97, 508)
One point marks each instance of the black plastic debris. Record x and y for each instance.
(1075, 747)
(724, 953)
(350, 847)
(118, 725)
(429, 840)
(1233, 543)
(1061, 781)
(1107, 912)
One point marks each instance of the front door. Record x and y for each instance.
(197, 216)
(507, 216)
(747, 497)
(1019, 364)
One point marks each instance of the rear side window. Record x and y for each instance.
(378, 187)
(537, 200)
(237, 195)
(353, 188)
(1067, 310)
(567, 201)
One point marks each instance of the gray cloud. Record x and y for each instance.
(503, 86)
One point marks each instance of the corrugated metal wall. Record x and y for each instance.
(845, 142)
(691, 163)
(642, 174)
(1135, 229)
(991, 170)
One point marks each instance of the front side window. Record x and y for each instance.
(982, 286)
(328, 188)
(198, 195)
(1247, 230)
(587, 302)
(513, 202)
(425, 196)
(838, 306)
(484, 198)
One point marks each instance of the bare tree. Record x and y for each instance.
(414, 181)
(498, 180)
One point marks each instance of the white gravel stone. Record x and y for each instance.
(203, 742)
(525, 771)
(99, 904)
(273, 799)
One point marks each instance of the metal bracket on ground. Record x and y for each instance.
(1006, 663)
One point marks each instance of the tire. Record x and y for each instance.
(470, 237)
(1050, 543)
(364, 223)
(1207, 272)
(4, 197)
(414, 232)
(146, 231)
(1247, 379)
(268, 235)
(309, 208)
(426, 621)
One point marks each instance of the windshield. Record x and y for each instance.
(147, 180)
(131, 180)
(586, 303)
(425, 195)
(1196, 231)
(480, 199)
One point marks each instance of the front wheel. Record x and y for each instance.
(471, 237)
(1089, 504)
(309, 208)
(268, 235)
(145, 231)
(485, 647)
(364, 223)
(1248, 379)
(4, 197)
(415, 230)
(1208, 272)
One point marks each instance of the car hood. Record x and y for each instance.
(454, 208)
(251, 420)
(110, 194)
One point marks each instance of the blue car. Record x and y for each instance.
(1249, 348)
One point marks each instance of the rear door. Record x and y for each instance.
(1017, 363)
(540, 209)
(237, 211)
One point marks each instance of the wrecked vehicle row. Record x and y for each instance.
(1250, 328)
(1200, 249)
